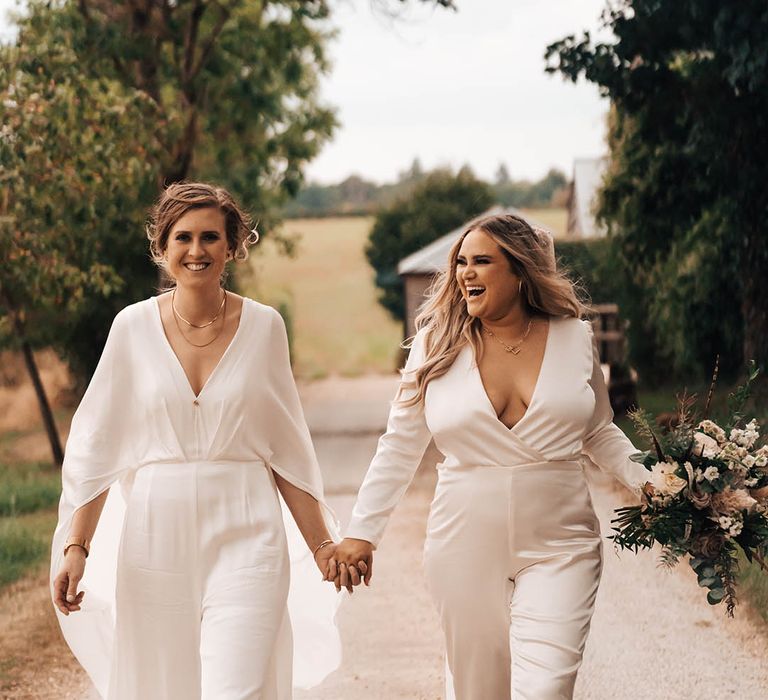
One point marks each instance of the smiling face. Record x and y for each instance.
(197, 247)
(487, 282)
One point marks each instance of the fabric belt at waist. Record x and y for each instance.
(549, 465)
(207, 462)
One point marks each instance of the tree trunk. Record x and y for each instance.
(45, 406)
(42, 398)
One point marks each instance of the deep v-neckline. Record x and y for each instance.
(484, 392)
(175, 358)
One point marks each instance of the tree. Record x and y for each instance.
(72, 180)
(105, 101)
(523, 193)
(502, 176)
(226, 79)
(685, 198)
(412, 174)
(543, 191)
(440, 203)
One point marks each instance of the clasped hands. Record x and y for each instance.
(346, 564)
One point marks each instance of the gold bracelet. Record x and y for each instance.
(81, 542)
(320, 546)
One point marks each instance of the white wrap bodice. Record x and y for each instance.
(569, 418)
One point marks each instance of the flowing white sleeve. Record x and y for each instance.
(292, 453)
(312, 603)
(397, 457)
(604, 442)
(99, 451)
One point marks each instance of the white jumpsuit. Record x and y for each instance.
(188, 577)
(513, 551)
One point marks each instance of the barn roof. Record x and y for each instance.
(433, 257)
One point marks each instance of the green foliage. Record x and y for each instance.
(356, 196)
(738, 398)
(75, 181)
(28, 488)
(523, 193)
(589, 264)
(235, 85)
(685, 198)
(438, 205)
(352, 196)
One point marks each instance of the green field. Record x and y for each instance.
(338, 326)
(328, 288)
(555, 220)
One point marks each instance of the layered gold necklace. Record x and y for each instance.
(177, 316)
(514, 348)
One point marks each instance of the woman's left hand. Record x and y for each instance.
(323, 556)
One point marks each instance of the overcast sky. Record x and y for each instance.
(453, 88)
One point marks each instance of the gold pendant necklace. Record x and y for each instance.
(204, 345)
(514, 348)
(189, 323)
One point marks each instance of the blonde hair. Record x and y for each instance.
(179, 198)
(448, 327)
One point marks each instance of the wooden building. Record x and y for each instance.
(587, 178)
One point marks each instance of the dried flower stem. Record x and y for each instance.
(711, 391)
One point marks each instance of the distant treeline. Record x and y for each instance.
(357, 196)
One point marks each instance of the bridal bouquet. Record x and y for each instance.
(707, 495)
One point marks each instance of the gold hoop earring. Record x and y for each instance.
(520, 287)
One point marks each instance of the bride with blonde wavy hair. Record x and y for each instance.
(506, 379)
(542, 288)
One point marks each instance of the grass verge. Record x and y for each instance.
(24, 543)
(28, 487)
(753, 587)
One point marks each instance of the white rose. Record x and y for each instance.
(664, 479)
(706, 446)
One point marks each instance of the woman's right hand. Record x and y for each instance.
(352, 563)
(65, 595)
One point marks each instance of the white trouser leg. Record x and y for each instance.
(202, 586)
(471, 592)
(552, 606)
(157, 638)
(487, 528)
(245, 637)
(244, 618)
